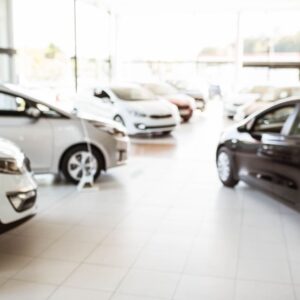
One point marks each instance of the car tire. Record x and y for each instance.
(225, 168)
(78, 158)
(119, 119)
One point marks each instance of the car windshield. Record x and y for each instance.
(132, 93)
(162, 89)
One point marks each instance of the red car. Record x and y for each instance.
(186, 104)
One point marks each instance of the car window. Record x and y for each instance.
(273, 121)
(10, 104)
(47, 111)
(296, 127)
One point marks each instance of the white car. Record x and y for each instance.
(265, 100)
(56, 141)
(17, 187)
(136, 108)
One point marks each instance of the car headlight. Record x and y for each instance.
(137, 114)
(10, 166)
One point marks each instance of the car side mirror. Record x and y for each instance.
(33, 112)
(247, 127)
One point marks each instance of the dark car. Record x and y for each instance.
(264, 151)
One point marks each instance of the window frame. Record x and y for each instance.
(296, 117)
(287, 126)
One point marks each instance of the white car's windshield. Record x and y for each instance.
(161, 89)
(132, 93)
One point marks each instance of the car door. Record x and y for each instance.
(284, 153)
(33, 135)
(253, 151)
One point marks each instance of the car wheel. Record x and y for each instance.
(79, 161)
(119, 119)
(225, 168)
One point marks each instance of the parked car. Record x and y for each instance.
(247, 95)
(137, 109)
(265, 100)
(17, 186)
(264, 150)
(57, 141)
(193, 90)
(186, 104)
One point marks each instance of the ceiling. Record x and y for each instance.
(194, 6)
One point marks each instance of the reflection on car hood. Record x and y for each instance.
(151, 107)
(104, 122)
(10, 150)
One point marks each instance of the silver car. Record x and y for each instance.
(56, 141)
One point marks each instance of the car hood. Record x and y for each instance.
(151, 107)
(181, 99)
(195, 93)
(10, 150)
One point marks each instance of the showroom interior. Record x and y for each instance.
(149, 149)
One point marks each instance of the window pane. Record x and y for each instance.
(273, 121)
(11, 103)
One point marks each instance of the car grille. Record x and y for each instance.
(160, 116)
(184, 107)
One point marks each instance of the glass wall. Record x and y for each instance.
(45, 40)
(6, 51)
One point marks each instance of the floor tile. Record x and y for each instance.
(11, 264)
(161, 260)
(46, 271)
(264, 270)
(64, 293)
(149, 284)
(16, 290)
(68, 250)
(96, 277)
(197, 287)
(114, 256)
(249, 290)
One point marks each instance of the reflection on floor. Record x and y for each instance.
(161, 227)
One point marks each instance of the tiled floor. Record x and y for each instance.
(161, 227)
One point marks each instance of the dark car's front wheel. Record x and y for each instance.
(225, 168)
(80, 161)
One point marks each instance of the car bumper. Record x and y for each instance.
(17, 189)
(185, 113)
(122, 149)
(153, 125)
